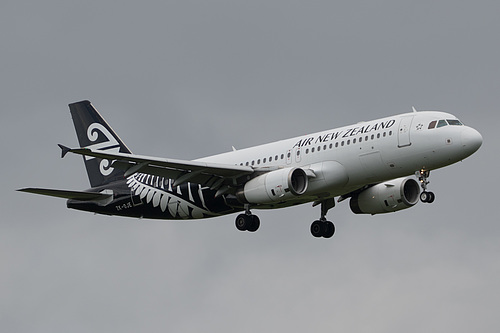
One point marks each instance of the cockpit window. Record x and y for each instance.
(442, 123)
(454, 122)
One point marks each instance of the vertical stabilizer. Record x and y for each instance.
(94, 132)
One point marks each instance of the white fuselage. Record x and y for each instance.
(368, 162)
(366, 152)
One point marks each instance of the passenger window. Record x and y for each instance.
(432, 124)
(441, 123)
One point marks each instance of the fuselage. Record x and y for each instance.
(339, 160)
(370, 151)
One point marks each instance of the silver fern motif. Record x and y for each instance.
(159, 192)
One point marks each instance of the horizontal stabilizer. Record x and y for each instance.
(64, 150)
(75, 195)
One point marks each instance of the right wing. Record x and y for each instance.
(213, 175)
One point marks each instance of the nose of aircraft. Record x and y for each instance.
(471, 140)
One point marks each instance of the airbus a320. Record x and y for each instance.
(379, 165)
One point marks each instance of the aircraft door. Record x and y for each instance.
(404, 131)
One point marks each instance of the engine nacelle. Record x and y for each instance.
(389, 196)
(275, 186)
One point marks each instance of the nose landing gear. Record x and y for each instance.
(425, 196)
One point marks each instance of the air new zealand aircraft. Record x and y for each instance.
(379, 165)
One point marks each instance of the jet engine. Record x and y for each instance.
(389, 196)
(274, 186)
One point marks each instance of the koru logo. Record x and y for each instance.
(110, 145)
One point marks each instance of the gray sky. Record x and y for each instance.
(187, 79)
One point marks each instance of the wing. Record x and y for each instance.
(213, 175)
(76, 195)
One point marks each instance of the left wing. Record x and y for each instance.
(213, 175)
(65, 194)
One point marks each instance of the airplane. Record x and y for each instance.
(380, 165)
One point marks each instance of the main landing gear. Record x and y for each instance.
(322, 227)
(247, 221)
(319, 228)
(425, 196)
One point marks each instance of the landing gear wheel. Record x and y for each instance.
(243, 222)
(255, 223)
(317, 228)
(427, 197)
(247, 222)
(324, 229)
(329, 229)
(431, 197)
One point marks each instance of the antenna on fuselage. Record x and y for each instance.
(413, 108)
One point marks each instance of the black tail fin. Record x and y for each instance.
(94, 132)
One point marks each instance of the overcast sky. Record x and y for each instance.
(187, 79)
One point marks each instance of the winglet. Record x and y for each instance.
(64, 150)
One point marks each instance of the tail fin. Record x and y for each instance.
(94, 132)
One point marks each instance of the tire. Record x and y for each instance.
(329, 229)
(424, 196)
(242, 222)
(318, 228)
(254, 224)
(432, 197)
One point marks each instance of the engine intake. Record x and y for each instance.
(274, 186)
(386, 197)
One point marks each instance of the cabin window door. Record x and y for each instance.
(404, 131)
